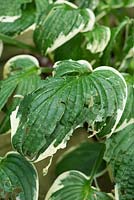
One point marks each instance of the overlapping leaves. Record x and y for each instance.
(120, 148)
(98, 38)
(18, 178)
(47, 117)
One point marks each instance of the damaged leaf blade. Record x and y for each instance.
(75, 95)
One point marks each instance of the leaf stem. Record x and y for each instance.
(97, 164)
(14, 42)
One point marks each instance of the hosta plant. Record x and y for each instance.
(74, 74)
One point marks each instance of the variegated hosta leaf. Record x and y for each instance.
(119, 153)
(74, 185)
(1, 47)
(11, 10)
(21, 73)
(82, 158)
(47, 117)
(128, 114)
(98, 38)
(25, 21)
(18, 178)
(62, 23)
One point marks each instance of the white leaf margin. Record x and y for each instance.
(62, 38)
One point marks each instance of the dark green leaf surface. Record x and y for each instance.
(62, 23)
(120, 151)
(74, 185)
(70, 49)
(47, 117)
(81, 158)
(18, 178)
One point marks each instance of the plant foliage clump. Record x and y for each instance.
(76, 72)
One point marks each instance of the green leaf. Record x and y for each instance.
(97, 39)
(128, 114)
(115, 32)
(22, 77)
(127, 57)
(127, 63)
(11, 10)
(73, 96)
(43, 7)
(74, 185)
(65, 51)
(19, 25)
(120, 151)
(81, 158)
(18, 178)
(62, 23)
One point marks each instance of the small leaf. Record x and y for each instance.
(98, 38)
(74, 185)
(73, 96)
(62, 23)
(11, 10)
(18, 178)
(22, 77)
(81, 158)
